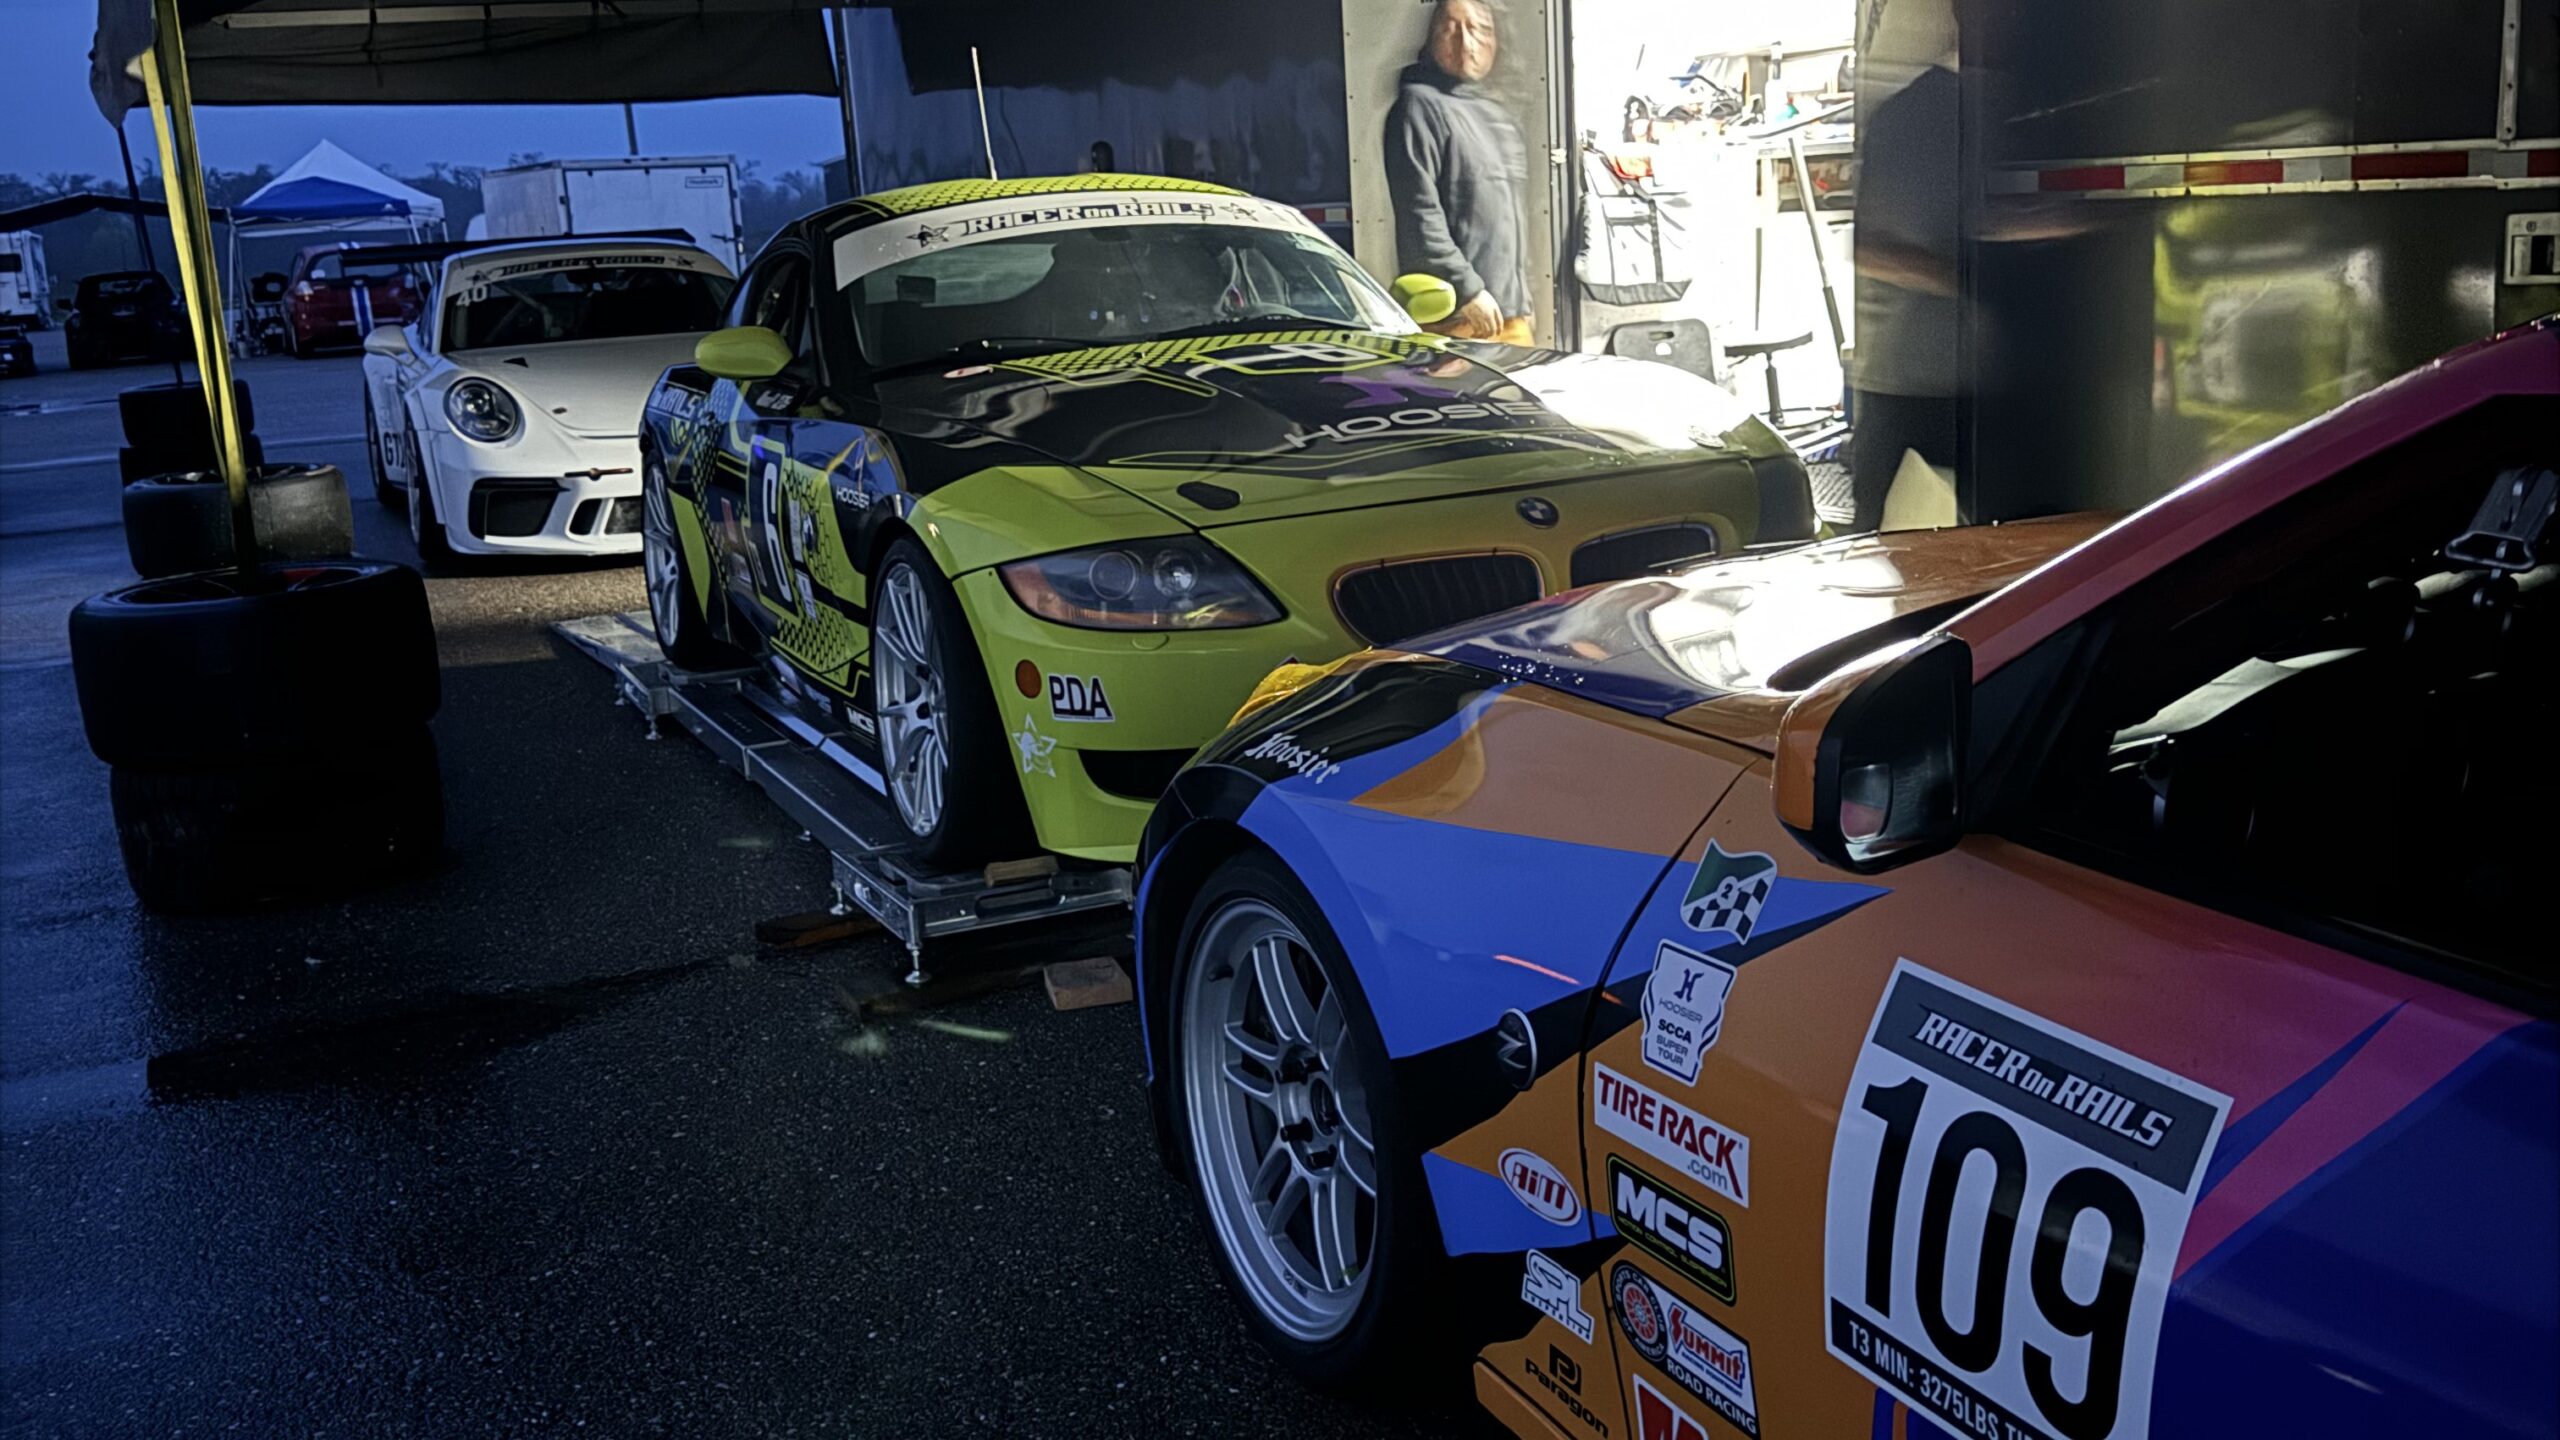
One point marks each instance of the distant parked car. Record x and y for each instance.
(120, 315)
(17, 354)
(335, 297)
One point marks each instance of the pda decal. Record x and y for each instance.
(1727, 891)
(1552, 1291)
(1683, 1010)
(1033, 749)
(1713, 1154)
(1079, 699)
(1679, 1232)
(1687, 1344)
(2061, 1171)
(1540, 1186)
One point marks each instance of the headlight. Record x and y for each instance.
(481, 410)
(1184, 583)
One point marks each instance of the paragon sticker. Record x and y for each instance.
(1686, 1236)
(1683, 1342)
(1727, 891)
(1075, 698)
(1552, 1291)
(1708, 1152)
(2058, 1172)
(1561, 1378)
(1683, 1010)
(1540, 1186)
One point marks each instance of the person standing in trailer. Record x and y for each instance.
(1458, 172)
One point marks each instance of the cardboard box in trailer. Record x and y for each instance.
(697, 194)
(26, 291)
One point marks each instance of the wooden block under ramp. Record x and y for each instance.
(813, 927)
(1084, 984)
(1009, 872)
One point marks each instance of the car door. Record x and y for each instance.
(2099, 1126)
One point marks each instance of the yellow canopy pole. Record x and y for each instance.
(164, 80)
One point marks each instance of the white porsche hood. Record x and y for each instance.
(586, 387)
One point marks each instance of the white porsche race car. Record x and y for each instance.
(507, 416)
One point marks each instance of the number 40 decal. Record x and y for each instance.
(2006, 1202)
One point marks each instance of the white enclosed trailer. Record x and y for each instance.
(26, 291)
(696, 194)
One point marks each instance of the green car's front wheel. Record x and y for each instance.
(941, 744)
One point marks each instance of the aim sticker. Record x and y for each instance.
(1540, 1186)
(1079, 699)
(1552, 1291)
(1034, 748)
(1683, 1342)
(1707, 1152)
(2057, 1171)
(1683, 1010)
(1727, 892)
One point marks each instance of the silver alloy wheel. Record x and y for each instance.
(907, 695)
(1278, 1112)
(658, 561)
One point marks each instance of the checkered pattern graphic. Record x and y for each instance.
(1147, 354)
(1727, 891)
(889, 204)
(1734, 907)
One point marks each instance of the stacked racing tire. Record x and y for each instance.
(267, 728)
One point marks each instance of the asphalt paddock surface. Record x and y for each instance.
(542, 1142)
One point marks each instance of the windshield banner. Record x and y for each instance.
(859, 252)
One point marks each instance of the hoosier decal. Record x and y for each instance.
(1683, 1010)
(1705, 1151)
(2085, 1163)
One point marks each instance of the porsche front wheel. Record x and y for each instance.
(683, 632)
(942, 748)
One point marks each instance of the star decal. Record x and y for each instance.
(1034, 749)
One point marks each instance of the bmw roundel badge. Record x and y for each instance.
(1541, 513)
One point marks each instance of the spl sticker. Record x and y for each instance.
(1078, 699)
(1552, 1291)
(2060, 1170)
(1713, 1154)
(1683, 1010)
(1683, 1342)
(1727, 891)
(1540, 1186)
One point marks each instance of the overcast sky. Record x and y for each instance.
(48, 122)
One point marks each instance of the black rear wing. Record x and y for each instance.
(432, 251)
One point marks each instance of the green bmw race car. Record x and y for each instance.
(1019, 487)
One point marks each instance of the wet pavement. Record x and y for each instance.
(543, 1141)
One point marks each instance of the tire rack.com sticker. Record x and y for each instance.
(1705, 1151)
(2006, 1203)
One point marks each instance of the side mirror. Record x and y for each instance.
(742, 352)
(389, 340)
(1427, 298)
(1870, 768)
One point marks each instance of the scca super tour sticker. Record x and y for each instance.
(2006, 1203)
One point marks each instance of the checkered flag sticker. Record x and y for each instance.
(1727, 892)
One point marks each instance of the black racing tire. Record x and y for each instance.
(198, 841)
(188, 452)
(426, 528)
(177, 524)
(222, 669)
(158, 418)
(683, 628)
(1402, 1326)
(384, 492)
(983, 814)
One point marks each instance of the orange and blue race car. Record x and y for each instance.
(2062, 979)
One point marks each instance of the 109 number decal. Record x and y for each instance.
(2006, 1202)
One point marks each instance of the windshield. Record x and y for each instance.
(334, 266)
(1106, 284)
(586, 302)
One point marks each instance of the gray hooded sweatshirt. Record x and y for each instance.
(1458, 174)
